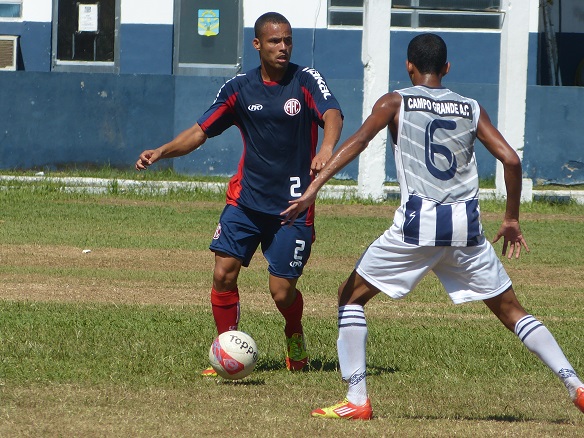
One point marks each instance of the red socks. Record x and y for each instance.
(293, 316)
(225, 307)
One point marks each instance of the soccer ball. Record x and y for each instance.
(233, 355)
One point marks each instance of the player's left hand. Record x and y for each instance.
(319, 161)
(512, 238)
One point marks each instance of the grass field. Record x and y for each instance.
(110, 342)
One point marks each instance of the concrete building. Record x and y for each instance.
(94, 82)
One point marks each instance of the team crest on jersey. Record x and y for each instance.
(217, 232)
(292, 107)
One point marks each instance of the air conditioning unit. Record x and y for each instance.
(8, 51)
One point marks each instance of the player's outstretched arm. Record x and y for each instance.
(333, 124)
(510, 231)
(184, 143)
(382, 114)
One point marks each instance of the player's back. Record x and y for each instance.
(436, 167)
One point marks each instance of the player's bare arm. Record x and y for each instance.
(333, 124)
(502, 151)
(383, 114)
(184, 143)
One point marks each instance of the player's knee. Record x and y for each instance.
(224, 280)
(283, 297)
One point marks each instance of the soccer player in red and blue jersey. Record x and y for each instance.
(278, 108)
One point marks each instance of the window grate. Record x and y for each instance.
(452, 14)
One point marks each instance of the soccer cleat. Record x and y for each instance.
(579, 400)
(209, 372)
(347, 410)
(296, 356)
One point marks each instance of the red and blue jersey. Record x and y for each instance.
(279, 124)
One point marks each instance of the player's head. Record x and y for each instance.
(273, 41)
(271, 18)
(428, 53)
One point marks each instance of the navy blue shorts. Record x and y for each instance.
(286, 248)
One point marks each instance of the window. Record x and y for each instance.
(10, 8)
(453, 14)
(208, 37)
(84, 35)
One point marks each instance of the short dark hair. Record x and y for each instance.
(268, 17)
(428, 53)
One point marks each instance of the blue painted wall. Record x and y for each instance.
(146, 49)
(34, 44)
(554, 129)
(53, 120)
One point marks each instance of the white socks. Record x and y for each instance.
(351, 348)
(538, 339)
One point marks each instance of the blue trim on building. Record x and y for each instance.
(554, 151)
(34, 44)
(78, 119)
(146, 49)
(337, 54)
(57, 119)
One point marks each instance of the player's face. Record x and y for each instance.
(275, 46)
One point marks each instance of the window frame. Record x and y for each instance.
(60, 65)
(203, 69)
(415, 13)
(10, 18)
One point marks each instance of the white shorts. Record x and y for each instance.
(468, 273)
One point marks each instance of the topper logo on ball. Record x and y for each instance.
(243, 345)
(233, 354)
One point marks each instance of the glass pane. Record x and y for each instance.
(401, 19)
(345, 19)
(459, 21)
(345, 3)
(468, 5)
(10, 10)
(218, 47)
(76, 45)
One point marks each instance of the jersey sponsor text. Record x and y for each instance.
(320, 81)
(441, 108)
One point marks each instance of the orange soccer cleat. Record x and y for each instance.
(296, 356)
(209, 372)
(579, 400)
(347, 410)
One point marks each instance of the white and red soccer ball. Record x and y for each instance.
(233, 355)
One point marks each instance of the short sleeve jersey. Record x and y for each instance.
(279, 124)
(436, 168)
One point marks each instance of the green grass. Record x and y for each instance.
(123, 358)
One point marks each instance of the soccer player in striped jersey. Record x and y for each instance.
(437, 227)
(278, 108)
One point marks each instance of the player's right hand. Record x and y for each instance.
(296, 207)
(513, 240)
(147, 158)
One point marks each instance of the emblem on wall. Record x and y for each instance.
(209, 22)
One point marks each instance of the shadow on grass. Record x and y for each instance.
(247, 381)
(498, 418)
(323, 365)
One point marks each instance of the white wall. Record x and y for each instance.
(300, 13)
(37, 10)
(147, 11)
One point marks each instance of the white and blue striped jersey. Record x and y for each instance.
(436, 168)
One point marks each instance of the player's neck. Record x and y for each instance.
(271, 74)
(427, 80)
